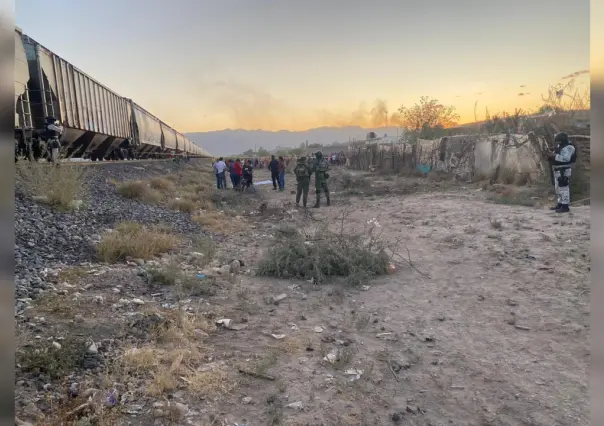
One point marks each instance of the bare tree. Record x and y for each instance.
(566, 97)
(425, 117)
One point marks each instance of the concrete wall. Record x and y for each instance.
(511, 155)
(501, 157)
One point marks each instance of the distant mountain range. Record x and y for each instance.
(231, 142)
(228, 142)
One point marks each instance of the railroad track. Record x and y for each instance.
(99, 163)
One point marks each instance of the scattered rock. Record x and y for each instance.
(178, 411)
(296, 405)
(31, 411)
(74, 389)
(274, 300)
(247, 400)
(235, 267)
(331, 357)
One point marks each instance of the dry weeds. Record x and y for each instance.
(132, 239)
(60, 187)
(162, 183)
(321, 254)
(140, 191)
(183, 205)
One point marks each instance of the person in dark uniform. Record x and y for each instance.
(563, 157)
(52, 132)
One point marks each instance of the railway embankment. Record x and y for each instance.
(86, 205)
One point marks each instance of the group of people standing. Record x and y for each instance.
(304, 170)
(277, 169)
(337, 158)
(241, 175)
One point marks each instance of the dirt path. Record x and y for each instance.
(496, 333)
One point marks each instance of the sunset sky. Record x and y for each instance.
(291, 64)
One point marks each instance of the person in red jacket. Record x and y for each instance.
(237, 173)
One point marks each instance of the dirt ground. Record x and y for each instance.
(487, 326)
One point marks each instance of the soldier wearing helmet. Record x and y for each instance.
(52, 131)
(562, 158)
(320, 169)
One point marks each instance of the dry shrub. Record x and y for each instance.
(324, 254)
(52, 361)
(131, 239)
(162, 184)
(59, 186)
(139, 190)
(183, 205)
(172, 361)
(210, 383)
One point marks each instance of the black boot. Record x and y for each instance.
(317, 205)
(563, 209)
(556, 207)
(328, 202)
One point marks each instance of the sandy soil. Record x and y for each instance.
(489, 326)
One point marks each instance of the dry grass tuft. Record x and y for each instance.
(139, 190)
(162, 184)
(183, 205)
(60, 187)
(174, 360)
(210, 383)
(131, 239)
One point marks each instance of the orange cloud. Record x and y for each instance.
(232, 104)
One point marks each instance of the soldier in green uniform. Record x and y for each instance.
(303, 173)
(320, 170)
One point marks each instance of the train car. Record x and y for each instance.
(96, 120)
(23, 119)
(180, 142)
(147, 132)
(169, 137)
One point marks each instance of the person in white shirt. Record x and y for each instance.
(219, 171)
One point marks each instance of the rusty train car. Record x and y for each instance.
(97, 121)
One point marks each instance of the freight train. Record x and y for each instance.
(98, 123)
